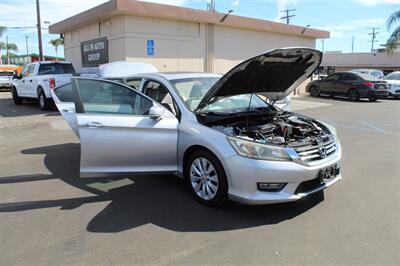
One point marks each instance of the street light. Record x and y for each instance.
(226, 16)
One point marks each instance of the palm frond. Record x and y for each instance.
(393, 20)
(2, 30)
(2, 45)
(394, 40)
(12, 47)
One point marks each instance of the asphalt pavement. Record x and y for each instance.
(49, 216)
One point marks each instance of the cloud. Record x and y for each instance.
(282, 5)
(377, 2)
(347, 28)
(236, 3)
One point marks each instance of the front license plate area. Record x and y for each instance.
(327, 174)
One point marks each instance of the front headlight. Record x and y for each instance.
(258, 151)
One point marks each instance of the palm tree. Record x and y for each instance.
(10, 47)
(56, 42)
(393, 23)
(2, 44)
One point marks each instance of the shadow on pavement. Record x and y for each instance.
(164, 201)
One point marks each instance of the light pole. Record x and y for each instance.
(27, 49)
(39, 29)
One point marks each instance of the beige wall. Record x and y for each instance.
(179, 46)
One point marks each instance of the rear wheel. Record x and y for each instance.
(314, 91)
(44, 102)
(206, 178)
(353, 95)
(16, 99)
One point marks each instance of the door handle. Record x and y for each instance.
(70, 111)
(30, 80)
(23, 81)
(93, 124)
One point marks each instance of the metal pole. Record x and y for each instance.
(27, 49)
(39, 29)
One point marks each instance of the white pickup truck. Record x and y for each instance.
(37, 79)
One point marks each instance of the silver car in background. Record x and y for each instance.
(219, 133)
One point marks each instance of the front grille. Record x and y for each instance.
(309, 185)
(316, 152)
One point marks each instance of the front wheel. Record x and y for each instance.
(314, 92)
(16, 99)
(372, 99)
(206, 178)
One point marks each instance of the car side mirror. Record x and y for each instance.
(156, 112)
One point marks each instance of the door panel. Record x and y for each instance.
(117, 134)
(328, 85)
(123, 144)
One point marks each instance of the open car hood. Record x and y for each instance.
(274, 74)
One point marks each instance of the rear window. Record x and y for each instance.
(6, 74)
(56, 68)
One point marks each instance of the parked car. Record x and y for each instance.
(351, 85)
(6, 79)
(393, 80)
(215, 132)
(37, 79)
(373, 72)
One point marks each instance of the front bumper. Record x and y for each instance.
(5, 85)
(244, 174)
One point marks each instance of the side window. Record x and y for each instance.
(349, 77)
(160, 94)
(134, 83)
(100, 96)
(64, 93)
(31, 70)
(333, 77)
(25, 71)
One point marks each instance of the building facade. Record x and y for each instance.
(173, 38)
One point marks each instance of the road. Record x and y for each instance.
(50, 216)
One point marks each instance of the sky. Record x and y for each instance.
(345, 19)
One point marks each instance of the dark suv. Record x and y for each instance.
(351, 85)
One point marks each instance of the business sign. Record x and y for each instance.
(150, 47)
(94, 52)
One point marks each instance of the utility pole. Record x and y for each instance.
(211, 5)
(323, 45)
(39, 29)
(27, 49)
(288, 16)
(8, 52)
(352, 45)
(373, 37)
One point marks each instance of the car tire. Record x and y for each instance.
(353, 95)
(44, 102)
(16, 99)
(372, 99)
(314, 91)
(206, 178)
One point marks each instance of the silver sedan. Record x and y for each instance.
(222, 134)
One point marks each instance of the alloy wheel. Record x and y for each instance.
(204, 178)
(41, 100)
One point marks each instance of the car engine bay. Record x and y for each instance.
(285, 129)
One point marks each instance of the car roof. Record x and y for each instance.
(184, 75)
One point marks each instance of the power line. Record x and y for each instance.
(288, 16)
(373, 37)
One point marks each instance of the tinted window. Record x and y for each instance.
(51, 69)
(64, 93)
(105, 97)
(6, 74)
(393, 76)
(160, 93)
(349, 77)
(333, 77)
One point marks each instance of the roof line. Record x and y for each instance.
(146, 9)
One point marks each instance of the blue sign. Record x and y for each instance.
(150, 47)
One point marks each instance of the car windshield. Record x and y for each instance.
(236, 104)
(393, 76)
(193, 90)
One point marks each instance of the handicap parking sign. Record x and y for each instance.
(150, 47)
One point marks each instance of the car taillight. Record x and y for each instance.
(369, 84)
(52, 83)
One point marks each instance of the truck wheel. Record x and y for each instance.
(44, 102)
(16, 99)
